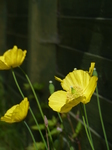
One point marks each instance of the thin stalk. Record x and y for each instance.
(60, 118)
(73, 131)
(87, 133)
(88, 136)
(46, 124)
(37, 101)
(17, 84)
(31, 134)
(99, 108)
(29, 108)
(47, 138)
(87, 122)
(38, 128)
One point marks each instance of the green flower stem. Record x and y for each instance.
(88, 136)
(37, 101)
(60, 118)
(31, 134)
(87, 122)
(17, 84)
(29, 108)
(87, 133)
(99, 108)
(38, 128)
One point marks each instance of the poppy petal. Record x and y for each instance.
(90, 89)
(57, 100)
(77, 77)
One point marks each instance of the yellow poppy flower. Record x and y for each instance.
(12, 58)
(17, 112)
(78, 87)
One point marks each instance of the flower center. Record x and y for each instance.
(74, 92)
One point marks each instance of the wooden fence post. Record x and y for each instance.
(42, 39)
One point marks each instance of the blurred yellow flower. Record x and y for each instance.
(17, 112)
(12, 58)
(79, 86)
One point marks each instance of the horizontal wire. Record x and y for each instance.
(17, 35)
(84, 18)
(89, 54)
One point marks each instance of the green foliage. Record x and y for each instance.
(13, 140)
(40, 146)
(36, 86)
(77, 130)
(11, 137)
(62, 143)
(51, 123)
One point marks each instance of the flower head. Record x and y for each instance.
(78, 86)
(12, 58)
(17, 112)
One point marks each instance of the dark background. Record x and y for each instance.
(60, 36)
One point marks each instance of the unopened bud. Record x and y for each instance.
(75, 68)
(95, 72)
(46, 121)
(51, 87)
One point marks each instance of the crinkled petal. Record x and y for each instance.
(14, 57)
(90, 89)
(17, 112)
(21, 111)
(91, 68)
(78, 78)
(68, 106)
(3, 65)
(8, 115)
(57, 100)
